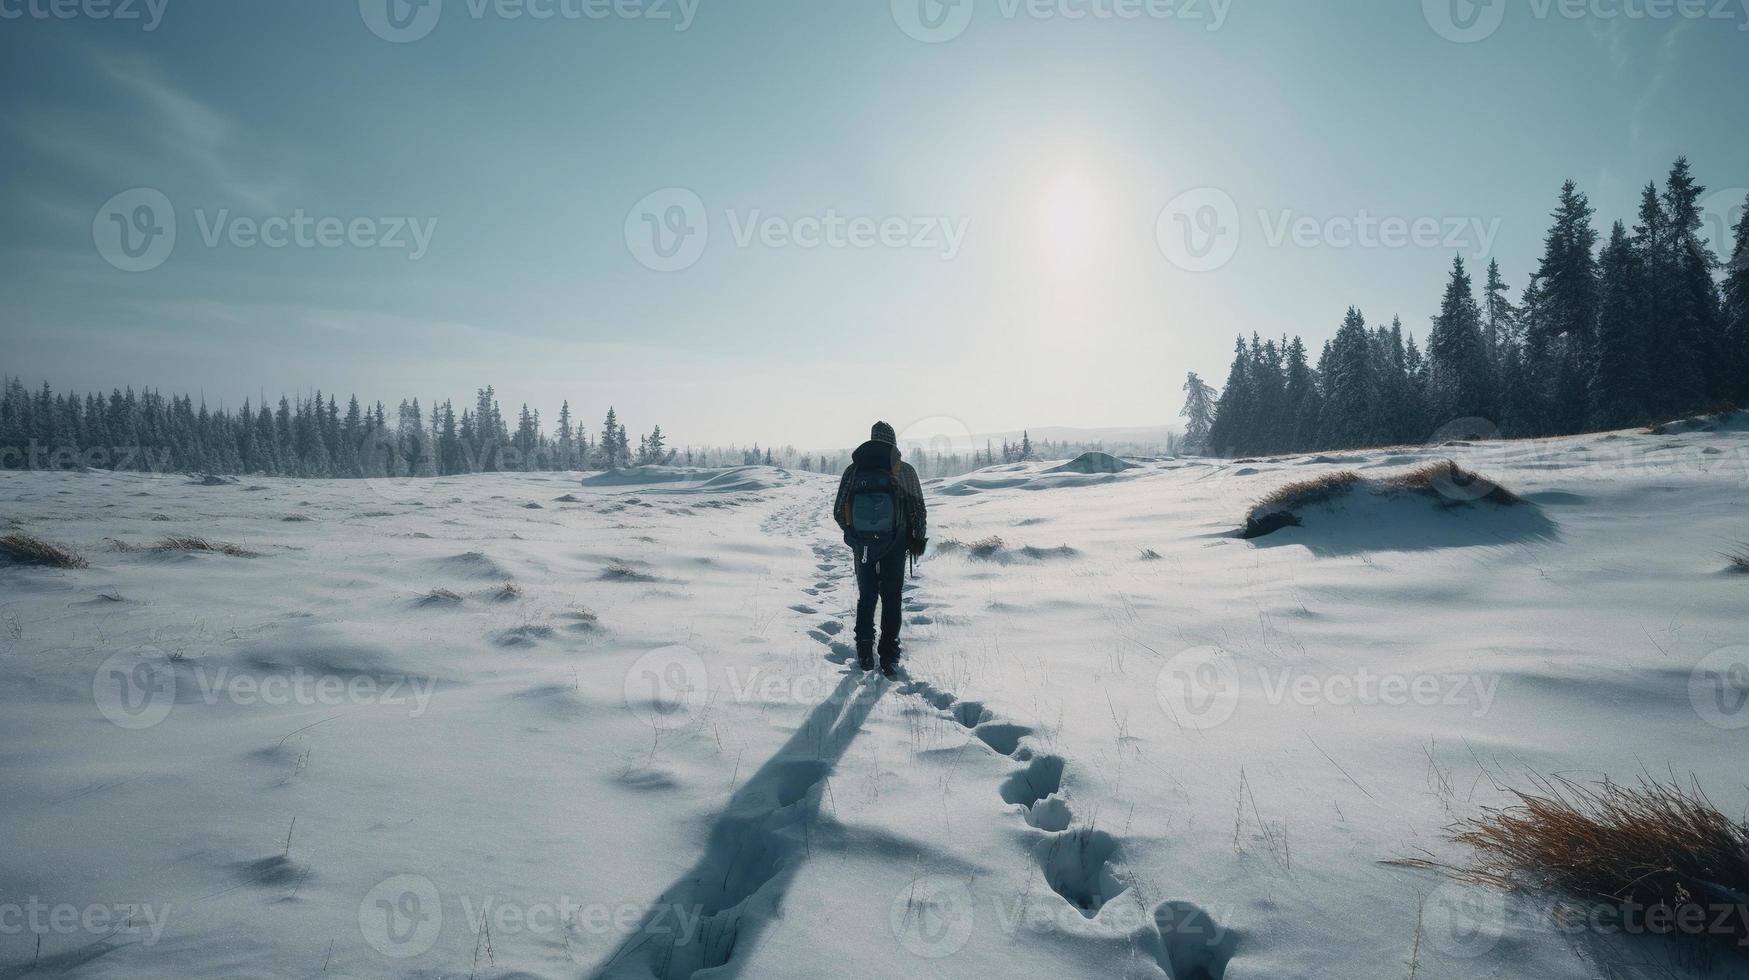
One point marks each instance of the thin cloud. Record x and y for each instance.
(185, 126)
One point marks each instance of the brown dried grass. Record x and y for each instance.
(26, 549)
(1657, 844)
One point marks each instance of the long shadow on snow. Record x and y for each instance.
(1414, 523)
(756, 844)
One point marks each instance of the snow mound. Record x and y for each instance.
(689, 479)
(1092, 462)
(746, 478)
(1437, 506)
(639, 476)
(1088, 469)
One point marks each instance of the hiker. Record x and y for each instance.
(880, 508)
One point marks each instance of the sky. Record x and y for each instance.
(775, 220)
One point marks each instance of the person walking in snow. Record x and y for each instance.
(880, 509)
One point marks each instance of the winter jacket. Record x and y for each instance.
(913, 516)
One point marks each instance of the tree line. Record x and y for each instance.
(1643, 329)
(306, 437)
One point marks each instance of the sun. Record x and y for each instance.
(1071, 219)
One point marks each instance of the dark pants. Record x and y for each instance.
(880, 579)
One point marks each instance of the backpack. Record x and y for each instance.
(874, 511)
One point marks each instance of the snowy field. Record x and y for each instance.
(550, 726)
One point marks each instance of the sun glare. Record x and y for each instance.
(1072, 220)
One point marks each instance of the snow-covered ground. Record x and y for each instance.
(538, 726)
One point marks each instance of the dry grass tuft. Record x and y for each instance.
(440, 597)
(1739, 559)
(506, 592)
(986, 548)
(624, 571)
(1444, 480)
(186, 543)
(1438, 478)
(189, 542)
(25, 549)
(1657, 845)
(1304, 493)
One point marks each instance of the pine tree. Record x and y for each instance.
(1459, 385)
(567, 442)
(1199, 412)
(1735, 313)
(609, 444)
(657, 446)
(1230, 431)
(1695, 326)
(1559, 327)
(1300, 399)
(1618, 380)
(1351, 408)
(1497, 313)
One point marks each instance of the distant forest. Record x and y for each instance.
(312, 437)
(1643, 330)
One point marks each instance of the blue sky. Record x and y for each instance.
(774, 220)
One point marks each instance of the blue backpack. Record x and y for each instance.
(874, 511)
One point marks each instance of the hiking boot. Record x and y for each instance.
(890, 658)
(865, 656)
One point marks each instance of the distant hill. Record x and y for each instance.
(1142, 436)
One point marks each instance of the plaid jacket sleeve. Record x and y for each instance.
(839, 501)
(913, 491)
